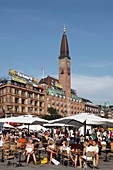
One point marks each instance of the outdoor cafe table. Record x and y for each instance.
(107, 150)
(39, 151)
(19, 152)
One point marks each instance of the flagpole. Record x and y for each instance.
(43, 72)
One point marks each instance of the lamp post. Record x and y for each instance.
(68, 107)
(106, 109)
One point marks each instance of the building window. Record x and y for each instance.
(40, 104)
(35, 103)
(8, 99)
(29, 101)
(23, 101)
(35, 95)
(16, 108)
(62, 71)
(68, 71)
(49, 105)
(41, 111)
(2, 91)
(35, 110)
(16, 100)
(41, 97)
(1, 100)
(29, 109)
(8, 89)
(23, 109)
(15, 83)
(23, 93)
(30, 94)
(16, 91)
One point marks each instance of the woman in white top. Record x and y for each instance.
(51, 148)
(30, 151)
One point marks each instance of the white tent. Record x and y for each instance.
(26, 119)
(33, 127)
(56, 124)
(82, 119)
(7, 125)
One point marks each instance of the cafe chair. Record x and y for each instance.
(66, 158)
(89, 159)
(9, 155)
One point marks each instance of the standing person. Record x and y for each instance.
(2, 139)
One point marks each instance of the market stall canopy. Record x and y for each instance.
(7, 125)
(55, 125)
(81, 119)
(33, 127)
(26, 119)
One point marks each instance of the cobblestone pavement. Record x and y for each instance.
(102, 166)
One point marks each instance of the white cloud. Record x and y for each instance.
(99, 64)
(96, 89)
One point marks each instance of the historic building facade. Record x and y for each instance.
(22, 94)
(58, 91)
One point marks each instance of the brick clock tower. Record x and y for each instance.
(64, 68)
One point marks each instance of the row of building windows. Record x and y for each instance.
(25, 94)
(23, 109)
(64, 97)
(91, 109)
(18, 92)
(12, 99)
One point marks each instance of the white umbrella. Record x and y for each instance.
(81, 119)
(33, 127)
(56, 124)
(7, 125)
(26, 119)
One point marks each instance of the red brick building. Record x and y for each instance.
(22, 94)
(58, 91)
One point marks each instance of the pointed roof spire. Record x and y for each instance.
(64, 50)
(64, 29)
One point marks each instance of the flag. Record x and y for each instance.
(42, 72)
(42, 68)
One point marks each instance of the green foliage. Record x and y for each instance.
(53, 114)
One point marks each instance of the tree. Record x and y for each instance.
(53, 114)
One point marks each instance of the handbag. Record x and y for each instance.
(55, 161)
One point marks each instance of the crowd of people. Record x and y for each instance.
(57, 140)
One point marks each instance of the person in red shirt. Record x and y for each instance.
(22, 141)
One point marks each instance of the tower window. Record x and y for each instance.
(62, 71)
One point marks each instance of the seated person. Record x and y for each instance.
(22, 141)
(85, 150)
(111, 151)
(93, 148)
(76, 151)
(103, 144)
(51, 148)
(30, 151)
(66, 150)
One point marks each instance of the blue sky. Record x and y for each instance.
(30, 37)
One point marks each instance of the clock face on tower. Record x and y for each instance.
(62, 64)
(68, 65)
